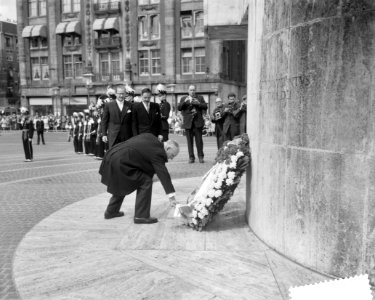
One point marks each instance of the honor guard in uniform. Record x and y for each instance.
(75, 131)
(129, 94)
(27, 127)
(80, 128)
(100, 145)
(93, 131)
(86, 131)
(165, 109)
(218, 120)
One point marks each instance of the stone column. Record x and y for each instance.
(311, 121)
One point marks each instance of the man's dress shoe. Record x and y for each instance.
(116, 215)
(191, 161)
(145, 220)
(201, 160)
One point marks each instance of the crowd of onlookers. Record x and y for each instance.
(58, 123)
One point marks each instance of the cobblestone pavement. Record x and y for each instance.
(29, 192)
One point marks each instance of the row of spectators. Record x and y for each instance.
(51, 122)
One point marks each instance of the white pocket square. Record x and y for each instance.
(129, 111)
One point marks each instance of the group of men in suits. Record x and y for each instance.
(135, 134)
(229, 119)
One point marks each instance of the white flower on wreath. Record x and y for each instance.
(239, 154)
(229, 181)
(231, 175)
(195, 213)
(200, 215)
(218, 193)
(211, 193)
(204, 212)
(208, 202)
(194, 220)
(217, 185)
(233, 165)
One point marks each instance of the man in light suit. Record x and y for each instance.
(146, 116)
(130, 166)
(117, 118)
(192, 107)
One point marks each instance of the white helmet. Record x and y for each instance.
(161, 89)
(129, 90)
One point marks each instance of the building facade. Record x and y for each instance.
(9, 68)
(71, 50)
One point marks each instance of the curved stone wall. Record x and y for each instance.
(311, 117)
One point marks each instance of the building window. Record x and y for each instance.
(187, 61)
(35, 68)
(155, 27)
(33, 8)
(71, 6)
(34, 43)
(143, 63)
(43, 42)
(37, 8)
(42, 8)
(68, 68)
(115, 64)
(186, 27)
(149, 27)
(192, 28)
(44, 68)
(77, 65)
(104, 63)
(143, 28)
(155, 62)
(200, 60)
(198, 24)
(8, 42)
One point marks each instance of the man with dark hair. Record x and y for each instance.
(231, 126)
(191, 108)
(117, 118)
(130, 166)
(165, 109)
(146, 116)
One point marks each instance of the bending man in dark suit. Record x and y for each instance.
(130, 166)
(146, 116)
(116, 121)
(191, 108)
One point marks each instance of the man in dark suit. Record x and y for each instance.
(191, 108)
(231, 124)
(39, 125)
(130, 166)
(146, 116)
(218, 120)
(165, 109)
(117, 118)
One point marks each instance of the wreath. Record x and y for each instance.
(218, 184)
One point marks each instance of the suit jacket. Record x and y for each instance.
(231, 118)
(39, 126)
(242, 118)
(117, 123)
(218, 120)
(122, 163)
(192, 113)
(144, 122)
(165, 109)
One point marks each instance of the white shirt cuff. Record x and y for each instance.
(171, 195)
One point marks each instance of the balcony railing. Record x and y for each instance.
(108, 42)
(111, 6)
(109, 77)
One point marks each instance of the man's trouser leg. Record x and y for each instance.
(26, 148)
(42, 135)
(165, 134)
(75, 143)
(38, 133)
(199, 141)
(143, 199)
(114, 204)
(190, 142)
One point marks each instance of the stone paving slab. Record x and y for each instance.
(76, 254)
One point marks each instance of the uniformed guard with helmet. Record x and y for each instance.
(27, 127)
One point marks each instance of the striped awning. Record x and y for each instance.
(60, 28)
(111, 24)
(106, 24)
(35, 30)
(69, 27)
(98, 24)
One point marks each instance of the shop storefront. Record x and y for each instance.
(42, 106)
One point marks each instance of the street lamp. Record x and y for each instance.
(58, 105)
(88, 76)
